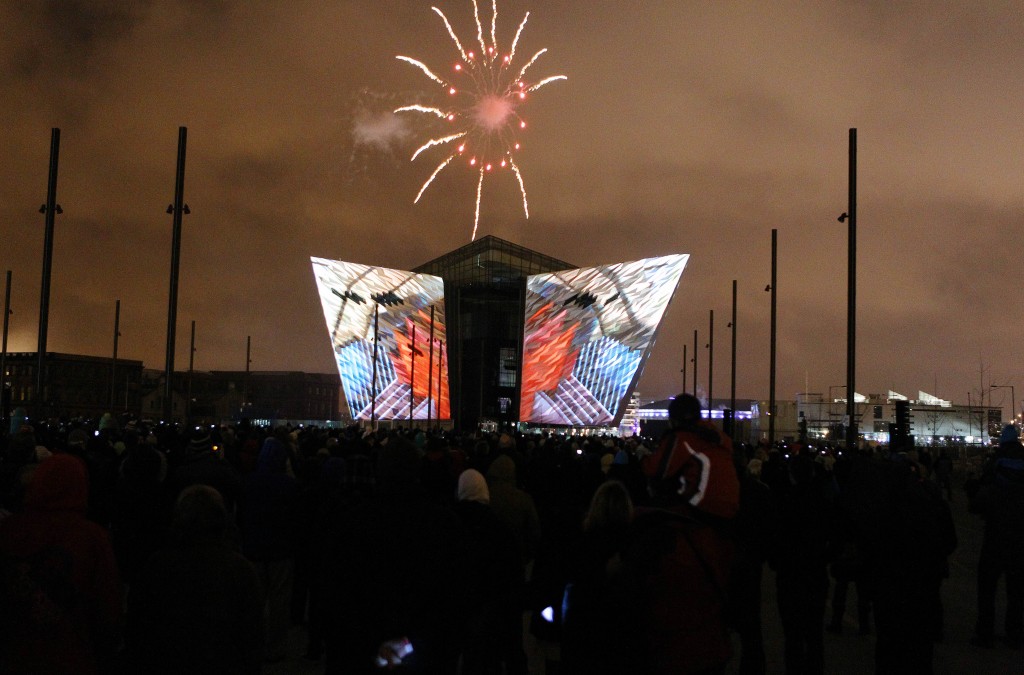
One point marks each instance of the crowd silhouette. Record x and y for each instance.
(134, 547)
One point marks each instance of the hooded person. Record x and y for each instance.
(140, 514)
(59, 585)
(268, 519)
(514, 506)
(197, 605)
(999, 500)
(679, 554)
(392, 575)
(693, 465)
(492, 635)
(472, 487)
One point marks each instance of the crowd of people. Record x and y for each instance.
(128, 547)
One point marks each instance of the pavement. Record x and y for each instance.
(853, 654)
(848, 653)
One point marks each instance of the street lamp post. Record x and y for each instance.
(771, 377)
(113, 361)
(683, 371)
(4, 400)
(711, 360)
(695, 362)
(430, 370)
(732, 376)
(373, 391)
(850, 216)
(191, 364)
(50, 210)
(178, 209)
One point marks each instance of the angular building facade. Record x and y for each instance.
(493, 332)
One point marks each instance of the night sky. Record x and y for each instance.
(684, 127)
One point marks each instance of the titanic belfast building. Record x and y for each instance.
(493, 332)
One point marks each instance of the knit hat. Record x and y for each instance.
(1009, 434)
(108, 422)
(473, 487)
(200, 441)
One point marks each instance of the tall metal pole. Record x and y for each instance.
(440, 360)
(177, 209)
(4, 400)
(50, 210)
(695, 362)
(245, 385)
(113, 361)
(373, 392)
(412, 376)
(851, 301)
(711, 360)
(732, 376)
(771, 375)
(685, 361)
(191, 363)
(430, 371)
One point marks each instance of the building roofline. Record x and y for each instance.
(488, 243)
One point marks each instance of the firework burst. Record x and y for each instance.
(484, 94)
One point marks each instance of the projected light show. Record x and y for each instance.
(587, 333)
(405, 313)
(485, 92)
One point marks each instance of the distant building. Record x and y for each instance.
(267, 396)
(73, 385)
(932, 421)
(494, 334)
(653, 417)
(88, 386)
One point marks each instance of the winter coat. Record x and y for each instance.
(59, 586)
(676, 570)
(695, 465)
(514, 506)
(196, 607)
(269, 506)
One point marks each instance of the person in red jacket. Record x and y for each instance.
(59, 585)
(680, 552)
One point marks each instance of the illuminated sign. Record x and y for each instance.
(402, 313)
(587, 333)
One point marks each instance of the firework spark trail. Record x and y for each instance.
(528, 64)
(423, 67)
(455, 38)
(494, 27)
(515, 42)
(479, 31)
(437, 141)
(484, 109)
(423, 109)
(522, 188)
(479, 193)
(546, 80)
(430, 180)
